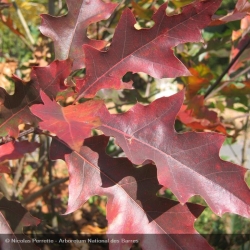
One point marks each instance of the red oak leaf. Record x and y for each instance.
(72, 124)
(244, 41)
(14, 109)
(187, 117)
(69, 32)
(242, 8)
(145, 50)
(16, 150)
(13, 217)
(133, 207)
(198, 117)
(147, 133)
(52, 77)
(201, 77)
(7, 21)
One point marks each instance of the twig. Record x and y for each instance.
(26, 132)
(61, 9)
(21, 37)
(43, 190)
(7, 138)
(240, 116)
(227, 82)
(28, 177)
(212, 87)
(54, 221)
(114, 14)
(24, 183)
(244, 151)
(235, 155)
(18, 174)
(23, 22)
(97, 31)
(51, 7)
(4, 187)
(27, 43)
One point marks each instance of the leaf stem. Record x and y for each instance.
(212, 87)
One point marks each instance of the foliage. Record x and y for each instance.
(86, 100)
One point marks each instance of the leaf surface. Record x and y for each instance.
(187, 163)
(201, 77)
(72, 124)
(245, 55)
(16, 150)
(145, 50)
(14, 109)
(51, 79)
(133, 207)
(13, 217)
(197, 116)
(69, 32)
(242, 8)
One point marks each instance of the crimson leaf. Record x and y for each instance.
(145, 50)
(15, 150)
(69, 32)
(132, 207)
(14, 109)
(51, 78)
(241, 10)
(187, 163)
(72, 124)
(13, 217)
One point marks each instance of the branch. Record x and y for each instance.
(7, 138)
(240, 116)
(212, 87)
(19, 36)
(23, 22)
(227, 82)
(29, 176)
(43, 190)
(244, 150)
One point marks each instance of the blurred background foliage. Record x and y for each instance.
(225, 109)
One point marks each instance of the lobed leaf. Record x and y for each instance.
(14, 109)
(13, 217)
(133, 207)
(69, 32)
(52, 77)
(188, 163)
(198, 116)
(72, 124)
(242, 8)
(145, 50)
(15, 150)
